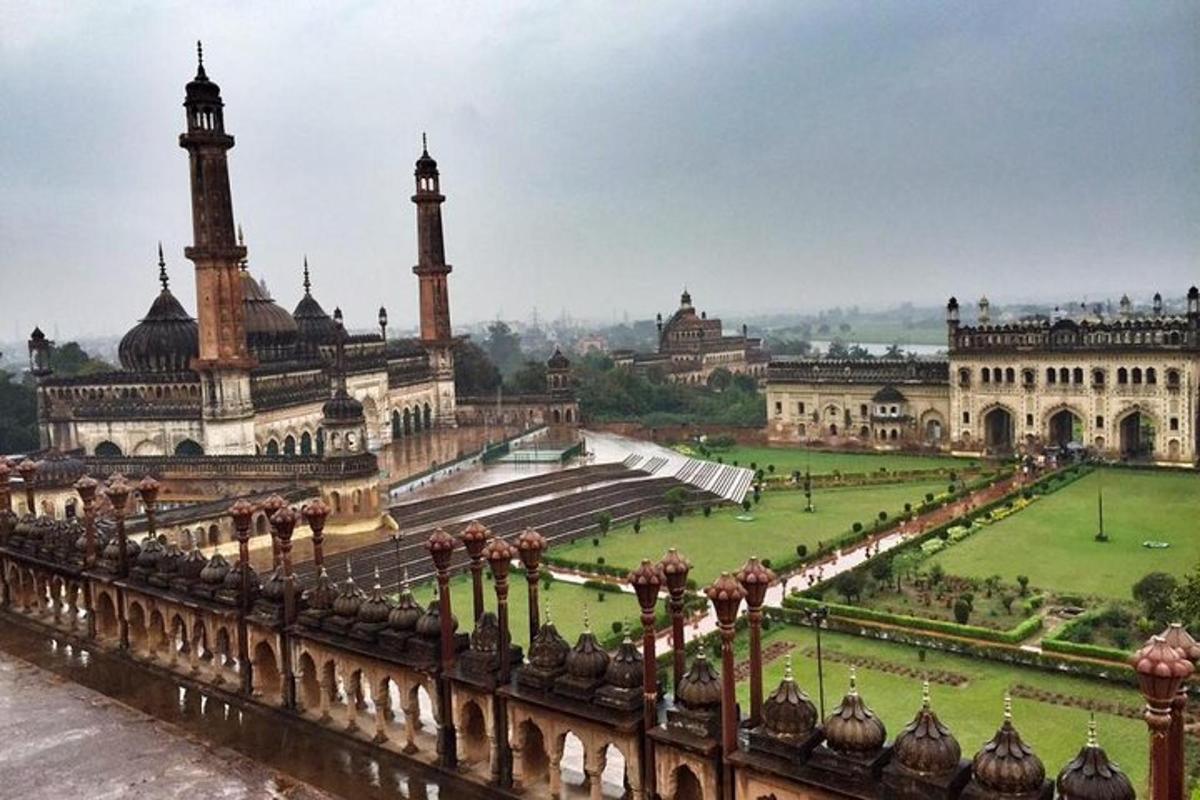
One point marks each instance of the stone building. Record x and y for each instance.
(245, 376)
(691, 346)
(1126, 386)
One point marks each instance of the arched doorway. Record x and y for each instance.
(475, 747)
(1137, 435)
(266, 672)
(998, 430)
(933, 430)
(1065, 428)
(687, 785)
(535, 762)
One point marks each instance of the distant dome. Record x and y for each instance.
(558, 360)
(166, 339)
(314, 325)
(271, 333)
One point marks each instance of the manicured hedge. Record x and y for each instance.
(1006, 654)
(1011, 636)
(1085, 650)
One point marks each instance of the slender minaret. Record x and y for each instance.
(224, 362)
(431, 271)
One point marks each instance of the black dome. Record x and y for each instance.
(558, 360)
(315, 327)
(166, 340)
(271, 333)
(343, 407)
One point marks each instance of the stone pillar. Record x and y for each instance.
(283, 522)
(531, 545)
(147, 490)
(412, 724)
(269, 507)
(117, 493)
(647, 580)
(315, 513)
(242, 513)
(441, 546)
(675, 570)
(1161, 671)
(474, 538)
(726, 595)
(499, 555)
(754, 579)
(1178, 637)
(383, 704)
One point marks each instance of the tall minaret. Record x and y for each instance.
(431, 267)
(431, 271)
(225, 359)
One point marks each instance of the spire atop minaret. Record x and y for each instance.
(424, 144)
(307, 282)
(162, 268)
(200, 74)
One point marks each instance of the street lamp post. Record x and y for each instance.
(816, 617)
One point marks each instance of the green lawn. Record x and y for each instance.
(973, 710)
(1052, 540)
(567, 602)
(722, 542)
(789, 459)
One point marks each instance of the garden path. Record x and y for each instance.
(845, 560)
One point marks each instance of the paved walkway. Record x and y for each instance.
(64, 740)
(835, 565)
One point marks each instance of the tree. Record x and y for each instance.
(990, 584)
(530, 378)
(894, 351)
(637, 524)
(962, 611)
(903, 565)
(18, 416)
(1155, 592)
(1187, 599)
(474, 372)
(71, 359)
(1023, 580)
(849, 585)
(604, 521)
(1007, 599)
(881, 570)
(503, 347)
(746, 504)
(675, 498)
(720, 379)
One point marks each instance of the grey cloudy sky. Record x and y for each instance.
(598, 156)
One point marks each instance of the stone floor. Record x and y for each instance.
(62, 740)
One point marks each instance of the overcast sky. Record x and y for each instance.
(599, 156)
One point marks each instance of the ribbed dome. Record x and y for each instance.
(192, 564)
(1091, 776)
(587, 660)
(271, 333)
(323, 592)
(215, 571)
(1006, 764)
(625, 669)
(558, 360)
(349, 598)
(486, 636)
(59, 469)
(273, 589)
(548, 651)
(152, 551)
(166, 339)
(342, 407)
(233, 579)
(700, 687)
(429, 624)
(376, 607)
(926, 745)
(168, 563)
(406, 612)
(853, 727)
(788, 713)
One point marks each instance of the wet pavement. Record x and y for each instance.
(76, 722)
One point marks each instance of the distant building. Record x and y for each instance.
(1126, 386)
(691, 346)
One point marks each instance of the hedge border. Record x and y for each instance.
(1014, 635)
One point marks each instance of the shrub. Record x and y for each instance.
(1023, 581)
(1007, 599)
(604, 521)
(882, 516)
(929, 497)
(771, 468)
(637, 524)
(907, 508)
(595, 542)
(802, 550)
(746, 504)
(856, 527)
(962, 611)
(707, 510)
(600, 560)
(670, 516)
(766, 562)
(1155, 593)
(599, 597)
(618, 626)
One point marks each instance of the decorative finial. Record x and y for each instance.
(377, 586)
(925, 694)
(349, 572)
(1007, 707)
(548, 622)
(162, 268)
(424, 145)
(853, 681)
(404, 580)
(200, 60)
(307, 282)
(241, 236)
(788, 677)
(587, 625)
(1092, 741)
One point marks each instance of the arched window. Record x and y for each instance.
(1097, 377)
(1078, 375)
(985, 375)
(1010, 375)
(964, 377)
(1028, 377)
(1051, 375)
(1064, 375)
(272, 448)
(997, 375)
(1137, 375)
(306, 444)
(1173, 378)
(107, 449)
(1151, 375)
(1122, 376)
(289, 445)
(188, 447)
